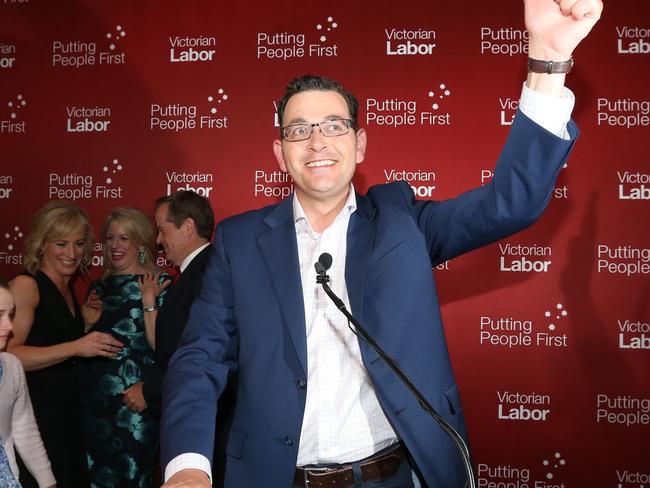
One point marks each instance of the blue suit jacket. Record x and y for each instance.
(249, 316)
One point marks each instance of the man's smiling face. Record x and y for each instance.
(321, 167)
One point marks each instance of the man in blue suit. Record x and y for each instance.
(315, 406)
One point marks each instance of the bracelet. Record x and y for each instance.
(549, 67)
(150, 308)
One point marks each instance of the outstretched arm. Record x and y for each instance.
(196, 376)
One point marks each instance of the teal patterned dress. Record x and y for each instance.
(121, 443)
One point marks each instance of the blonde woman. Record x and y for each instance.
(49, 338)
(121, 433)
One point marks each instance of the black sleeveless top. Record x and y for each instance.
(53, 322)
(55, 391)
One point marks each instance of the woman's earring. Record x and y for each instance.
(142, 255)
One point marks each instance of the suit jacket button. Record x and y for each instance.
(301, 384)
(288, 441)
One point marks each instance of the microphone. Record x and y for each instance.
(324, 263)
(325, 260)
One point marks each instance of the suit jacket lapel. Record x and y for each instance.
(361, 234)
(189, 274)
(280, 251)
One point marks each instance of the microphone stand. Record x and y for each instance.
(322, 279)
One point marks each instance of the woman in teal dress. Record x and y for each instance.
(122, 435)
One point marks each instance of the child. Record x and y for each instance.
(17, 423)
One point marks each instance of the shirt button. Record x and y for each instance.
(301, 384)
(288, 441)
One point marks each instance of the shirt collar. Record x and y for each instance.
(301, 222)
(186, 262)
(300, 218)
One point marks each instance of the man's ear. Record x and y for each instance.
(362, 141)
(279, 156)
(189, 226)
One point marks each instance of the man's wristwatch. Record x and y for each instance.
(549, 67)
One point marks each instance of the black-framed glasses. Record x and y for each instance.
(329, 128)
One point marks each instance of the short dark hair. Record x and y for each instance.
(185, 204)
(311, 82)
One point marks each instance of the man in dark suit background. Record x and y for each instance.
(184, 221)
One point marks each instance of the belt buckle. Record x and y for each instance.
(315, 471)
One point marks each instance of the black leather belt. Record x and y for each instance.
(375, 469)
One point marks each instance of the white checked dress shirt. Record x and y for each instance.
(343, 420)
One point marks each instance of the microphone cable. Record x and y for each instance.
(323, 264)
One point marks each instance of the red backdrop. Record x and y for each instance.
(116, 103)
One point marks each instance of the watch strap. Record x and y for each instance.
(549, 67)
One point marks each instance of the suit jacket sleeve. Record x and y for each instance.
(523, 182)
(199, 369)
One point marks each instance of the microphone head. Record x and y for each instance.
(319, 268)
(325, 260)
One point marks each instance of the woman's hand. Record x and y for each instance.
(151, 288)
(91, 310)
(97, 344)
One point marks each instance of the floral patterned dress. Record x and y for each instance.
(121, 443)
